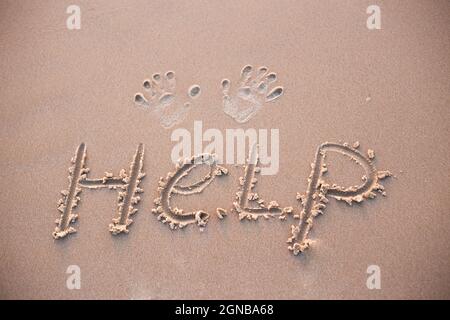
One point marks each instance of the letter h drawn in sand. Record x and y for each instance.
(127, 183)
(315, 200)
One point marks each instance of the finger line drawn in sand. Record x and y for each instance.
(127, 198)
(70, 198)
(315, 200)
(175, 217)
(246, 196)
(105, 182)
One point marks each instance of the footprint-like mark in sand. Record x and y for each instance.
(248, 203)
(175, 217)
(315, 200)
(252, 92)
(128, 197)
(161, 99)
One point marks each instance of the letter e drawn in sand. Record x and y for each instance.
(175, 217)
(248, 203)
(128, 185)
(315, 200)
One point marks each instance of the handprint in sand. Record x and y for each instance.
(253, 91)
(161, 99)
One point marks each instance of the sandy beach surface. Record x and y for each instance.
(388, 89)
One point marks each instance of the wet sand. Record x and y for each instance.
(388, 89)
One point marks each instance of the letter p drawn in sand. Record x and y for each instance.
(315, 200)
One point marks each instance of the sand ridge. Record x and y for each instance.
(315, 200)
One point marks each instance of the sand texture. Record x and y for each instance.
(363, 124)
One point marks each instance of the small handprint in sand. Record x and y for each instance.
(161, 99)
(253, 92)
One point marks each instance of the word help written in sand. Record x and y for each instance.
(248, 204)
